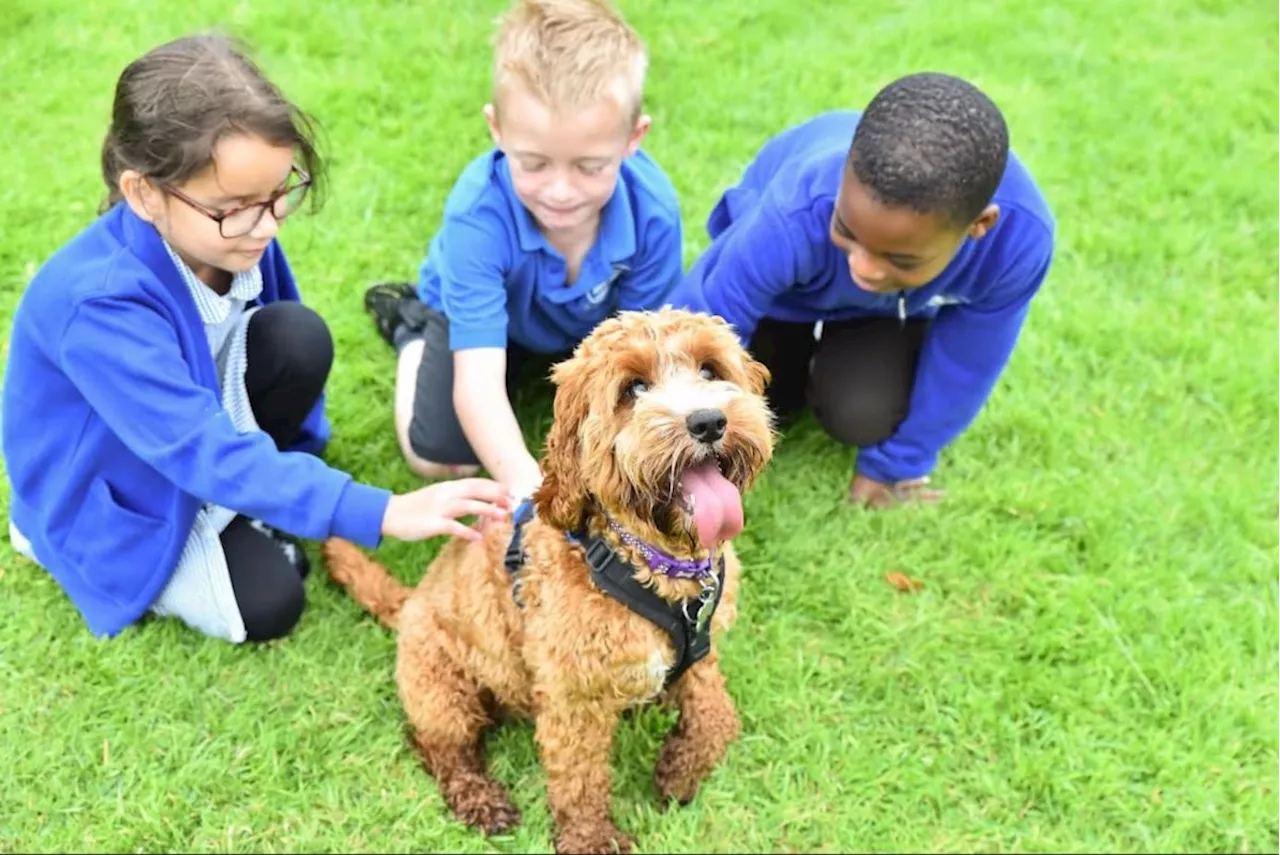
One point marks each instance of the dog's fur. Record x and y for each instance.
(572, 657)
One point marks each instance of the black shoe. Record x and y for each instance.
(393, 305)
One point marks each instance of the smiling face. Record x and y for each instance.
(890, 249)
(564, 163)
(197, 130)
(568, 85)
(245, 169)
(660, 423)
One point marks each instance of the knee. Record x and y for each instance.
(857, 416)
(438, 471)
(428, 453)
(298, 335)
(275, 612)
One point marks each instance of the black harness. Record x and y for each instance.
(686, 622)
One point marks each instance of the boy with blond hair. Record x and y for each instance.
(563, 223)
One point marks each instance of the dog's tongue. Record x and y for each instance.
(717, 504)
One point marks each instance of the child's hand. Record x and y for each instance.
(433, 510)
(873, 494)
(521, 482)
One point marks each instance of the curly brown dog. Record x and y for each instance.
(659, 427)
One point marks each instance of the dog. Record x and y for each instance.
(610, 593)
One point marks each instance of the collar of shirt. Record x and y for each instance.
(616, 238)
(214, 308)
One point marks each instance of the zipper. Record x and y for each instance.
(902, 309)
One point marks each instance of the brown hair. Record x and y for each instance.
(176, 102)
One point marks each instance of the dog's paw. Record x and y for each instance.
(486, 807)
(668, 800)
(598, 838)
(492, 818)
(674, 777)
(688, 756)
(671, 795)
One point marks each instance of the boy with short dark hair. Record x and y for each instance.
(883, 282)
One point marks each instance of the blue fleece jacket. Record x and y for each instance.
(771, 256)
(114, 433)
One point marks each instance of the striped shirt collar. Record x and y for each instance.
(215, 308)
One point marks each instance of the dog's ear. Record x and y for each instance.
(562, 497)
(757, 374)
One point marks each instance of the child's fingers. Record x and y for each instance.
(472, 507)
(481, 489)
(457, 529)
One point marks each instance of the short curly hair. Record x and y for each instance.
(931, 143)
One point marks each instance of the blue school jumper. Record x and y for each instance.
(771, 256)
(114, 433)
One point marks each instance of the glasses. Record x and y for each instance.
(238, 222)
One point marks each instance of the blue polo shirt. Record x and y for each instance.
(491, 272)
(771, 256)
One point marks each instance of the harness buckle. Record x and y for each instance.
(705, 597)
(598, 554)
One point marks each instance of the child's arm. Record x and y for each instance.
(474, 255)
(125, 359)
(964, 352)
(488, 421)
(757, 258)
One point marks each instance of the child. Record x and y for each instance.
(163, 377)
(563, 223)
(884, 283)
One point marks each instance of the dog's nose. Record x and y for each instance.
(706, 425)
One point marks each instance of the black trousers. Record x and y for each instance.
(857, 378)
(435, 433)
(289, 352)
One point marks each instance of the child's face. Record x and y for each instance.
(245, 169)
(892, 249)
(564, 165)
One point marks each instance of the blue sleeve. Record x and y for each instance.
(963, 354)
(125, 359)
(315, 431)
(472, 255)
(748, 265)
(657, 269)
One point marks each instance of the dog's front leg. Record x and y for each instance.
(575, 739)
(448, 719)
(708, 723)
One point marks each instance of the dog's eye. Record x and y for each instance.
(635, 387)
(708, 372)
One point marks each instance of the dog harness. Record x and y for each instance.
(686, 622)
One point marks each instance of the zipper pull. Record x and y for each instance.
(902, 309)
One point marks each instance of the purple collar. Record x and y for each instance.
(661, 562)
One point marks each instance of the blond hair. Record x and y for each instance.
(569, 54)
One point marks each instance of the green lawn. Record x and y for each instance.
(1092, 664)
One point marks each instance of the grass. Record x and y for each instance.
(1092, 663)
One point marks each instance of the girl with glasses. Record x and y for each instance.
(164, 393)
